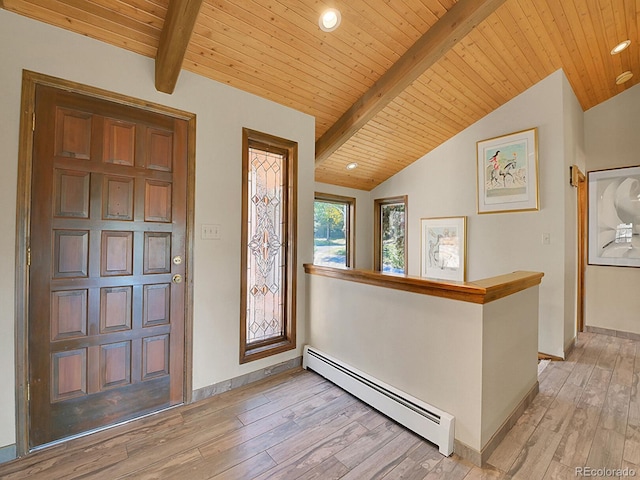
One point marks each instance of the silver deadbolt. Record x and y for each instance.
(177, 278)
(177, 260)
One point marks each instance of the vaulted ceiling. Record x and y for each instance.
(394, 81)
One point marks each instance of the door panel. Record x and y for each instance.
(119, 142)
(108, 215)
(71, 193)
(73, 134)
(117, 201)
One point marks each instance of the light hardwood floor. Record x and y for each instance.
(299, 426)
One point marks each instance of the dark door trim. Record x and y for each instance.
(23, 215)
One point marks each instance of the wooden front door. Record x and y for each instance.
(107, 252)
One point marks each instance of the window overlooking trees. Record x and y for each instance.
(390, 248)
(333, 224)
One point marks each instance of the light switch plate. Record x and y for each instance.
(210, 232)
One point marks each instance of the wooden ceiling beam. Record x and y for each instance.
(174, 40)
(432, 46)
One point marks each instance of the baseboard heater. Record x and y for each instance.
(425, 420)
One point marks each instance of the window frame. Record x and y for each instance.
(287, 341)
(377, 229)
(350, 222)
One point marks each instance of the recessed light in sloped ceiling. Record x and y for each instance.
(620, 47)
(624, 76)
(329, 20)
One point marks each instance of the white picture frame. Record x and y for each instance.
(614, 217)
(443, 248)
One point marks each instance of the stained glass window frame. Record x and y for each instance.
(258, 246)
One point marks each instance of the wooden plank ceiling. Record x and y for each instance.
(275, 49)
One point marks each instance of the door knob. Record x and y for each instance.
(177, 278)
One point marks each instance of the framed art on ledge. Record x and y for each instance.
(508, 172)
(443, 248)
(614, 217)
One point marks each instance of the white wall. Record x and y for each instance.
(509, 357)
(429, 347)
(476, 362)
(221, 113)
(443, 183)
(612, 140)
(364, 225)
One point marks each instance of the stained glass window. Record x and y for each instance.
(265, 249)
(268, 241)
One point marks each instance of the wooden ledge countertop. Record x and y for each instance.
(479, 291)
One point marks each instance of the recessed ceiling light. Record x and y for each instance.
(329, 20)
(351, 166)
(620, 47)
(623, 77)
